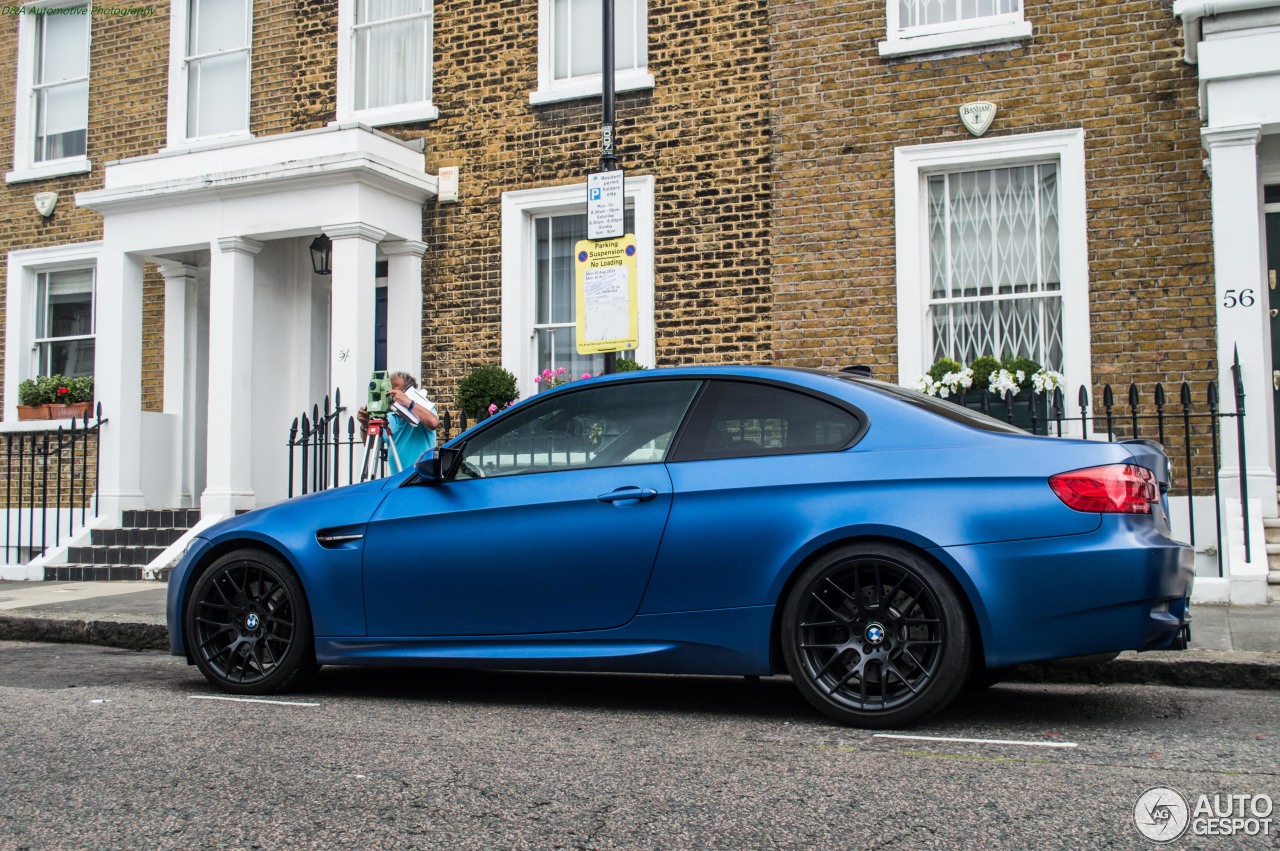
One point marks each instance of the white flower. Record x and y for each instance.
(925, 384)
(1004, 383)
(957, 381)
(1046, 381)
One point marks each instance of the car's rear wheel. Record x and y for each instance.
(248, 626)
(875, 636)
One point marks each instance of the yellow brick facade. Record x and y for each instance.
(770, 135)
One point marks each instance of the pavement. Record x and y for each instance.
(1231, 646)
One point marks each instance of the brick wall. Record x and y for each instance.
(1113, 69)
(702, 133)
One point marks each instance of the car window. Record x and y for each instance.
(736, 419)
(604, 426)
(941, 407)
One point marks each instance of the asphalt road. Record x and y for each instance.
(103, 748)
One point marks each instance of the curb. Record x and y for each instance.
(1184, 669)
(103, 633)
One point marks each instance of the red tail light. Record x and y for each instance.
(1113, 489)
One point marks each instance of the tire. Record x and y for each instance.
(248, 626)
(875, 636)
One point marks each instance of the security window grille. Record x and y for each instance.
(919, 17)
(995, 282)
(64, 323)
(393, 52)
(217, 64)
(555, 303)
(61, 86)
(576, 37)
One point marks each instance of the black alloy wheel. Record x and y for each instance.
(247, 625)
(875, 636)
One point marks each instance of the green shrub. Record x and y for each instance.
(627, 365)
(81, 388)
(942, 366)
(983, 368)
(29, 392)
(484, 386)
(1027, 365)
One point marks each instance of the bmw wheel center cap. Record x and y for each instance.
(874, 633)
(252, 621)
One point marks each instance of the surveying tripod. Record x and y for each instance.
(377, 444)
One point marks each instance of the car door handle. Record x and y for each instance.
(627, 495)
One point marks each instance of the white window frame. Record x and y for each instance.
(912, 167)
(519, 240)
(954, 35)
(552, 91)
(179, 26)
(25, 166)
(404, 113)
(20, 308)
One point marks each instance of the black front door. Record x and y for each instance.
(1273, 262)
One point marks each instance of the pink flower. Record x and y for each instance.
(560, 371)
(537, 379)
(586, 375)
(546, 372)
(493, 408)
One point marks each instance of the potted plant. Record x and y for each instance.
(72, 398)
(995, 384)
(486, 390)
(31, 405)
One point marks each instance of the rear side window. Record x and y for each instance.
(738, 419)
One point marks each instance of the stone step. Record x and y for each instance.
(92, 573)
(124, 553)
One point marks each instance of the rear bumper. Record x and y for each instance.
(1122, 587)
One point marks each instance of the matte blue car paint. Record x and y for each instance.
(514, 554)
(1043, 581)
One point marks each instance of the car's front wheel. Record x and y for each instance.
(248, 626)
(875, 636)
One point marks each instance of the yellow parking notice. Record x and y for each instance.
(605, 278)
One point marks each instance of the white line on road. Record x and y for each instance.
(248, 700)
(978, 741)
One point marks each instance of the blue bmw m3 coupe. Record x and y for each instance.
(879, 545)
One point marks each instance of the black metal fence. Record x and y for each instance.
(326, 449)
(50, 485)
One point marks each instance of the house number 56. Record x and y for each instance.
(1238, 298)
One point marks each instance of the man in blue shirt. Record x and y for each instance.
(411, 440)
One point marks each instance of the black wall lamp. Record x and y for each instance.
(321, 253)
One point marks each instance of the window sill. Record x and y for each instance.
(584, 87)
(203, 143)
(955, 40)
(58, 168)
(409, 113)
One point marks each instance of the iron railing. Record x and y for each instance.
(52, 474)
(327, 450)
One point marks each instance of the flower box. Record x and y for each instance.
(70, 411)
(1022, 404)
(33, 412)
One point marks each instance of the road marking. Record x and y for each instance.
(248, 700)
(977, 741)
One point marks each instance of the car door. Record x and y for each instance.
(551, 523)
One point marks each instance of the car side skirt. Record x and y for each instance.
(724, 641)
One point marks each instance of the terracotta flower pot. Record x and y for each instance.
(33, 412)
(72, 411)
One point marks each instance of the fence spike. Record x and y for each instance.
(1159, 396)
(1185, 395)
(293, 432)
(1213, 394)
(1133, 395)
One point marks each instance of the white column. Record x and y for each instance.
(230, 421)
(178, 287)
(355, 256)
(118, 382)
(1239, 256)
(404, 304)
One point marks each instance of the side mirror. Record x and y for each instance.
(438, 465)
